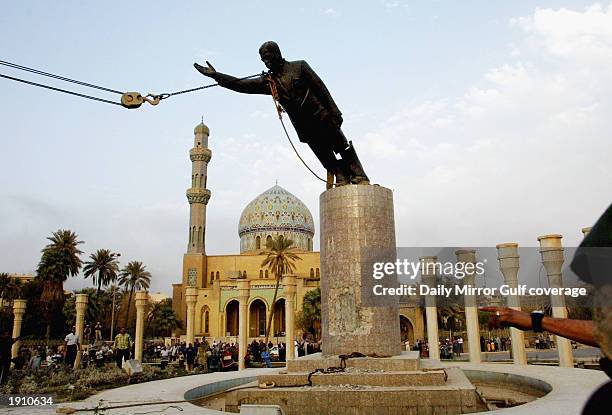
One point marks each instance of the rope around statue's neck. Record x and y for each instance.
(280, 110)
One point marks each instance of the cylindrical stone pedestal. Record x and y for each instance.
(19, 308)
(191, 297)
(141, 303)
(243, 305)
(355, 219)
(471, 312)
(508, 257)
(552, 258)
(81, 306)
(429, 278)
(289, 288)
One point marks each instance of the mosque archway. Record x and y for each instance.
(257, 318)
(279, 317)
(231, 318)
(406, 330)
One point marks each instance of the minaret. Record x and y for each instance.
(194, 264)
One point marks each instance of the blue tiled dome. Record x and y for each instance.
(275, 211)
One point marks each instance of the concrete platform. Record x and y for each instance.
(405, 362)
(569, 390)
(457, 396)
(356, 377)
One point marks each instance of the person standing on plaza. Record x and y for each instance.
(98, 331)
(72, 344)
(87, 334)
(190, 355)
(122, 346)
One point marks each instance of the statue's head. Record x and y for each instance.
(271, 55)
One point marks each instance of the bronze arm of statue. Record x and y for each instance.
(309, 105)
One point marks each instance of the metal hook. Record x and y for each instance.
(153, 100)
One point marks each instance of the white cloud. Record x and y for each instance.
(329, 11)
(521, 153)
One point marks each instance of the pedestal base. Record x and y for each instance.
(356, 220)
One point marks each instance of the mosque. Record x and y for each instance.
(211, 281)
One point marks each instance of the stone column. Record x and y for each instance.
(357, 222)
(508, 257)
(243, 306)
(81, 306)
(428, 275)
(468, 256)
(141, 303)
(19, 308)
(552, 258)
(191, 297)
(289, 288)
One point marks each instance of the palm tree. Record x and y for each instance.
(60, 260)
(10, 288)
(310, 317)
(280, 260)
(5, 279)
(161, 319)
(104, 263)
(134, 277)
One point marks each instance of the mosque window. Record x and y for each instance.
(280, 238)
(312, 274)
(258, 242)
(212, 277)
(268, 241)
(244, 275)
(260, 273)
(206, 322)
(192, 180)
(266, 273)
(217, 275)
(318, 273)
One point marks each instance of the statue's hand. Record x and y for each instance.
(208, 70)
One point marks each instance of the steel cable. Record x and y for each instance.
(61, 78)
(60, 90)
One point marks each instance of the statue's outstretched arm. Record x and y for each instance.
(246, 86)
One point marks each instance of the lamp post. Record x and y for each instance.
(508, 257)
(552, 259)
(429, 278)
(112, 327)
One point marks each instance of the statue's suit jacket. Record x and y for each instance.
(302, 94)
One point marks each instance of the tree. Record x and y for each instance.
(280, 260)
(104, 263)
(60, 260)
(134, 277)
(309, 319)
(161, 319)
(10, 289)
(95, 310)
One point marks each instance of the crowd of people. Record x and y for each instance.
(494, 344)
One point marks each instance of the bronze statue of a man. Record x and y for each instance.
(312, 111)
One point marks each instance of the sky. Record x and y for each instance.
(489, 120)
